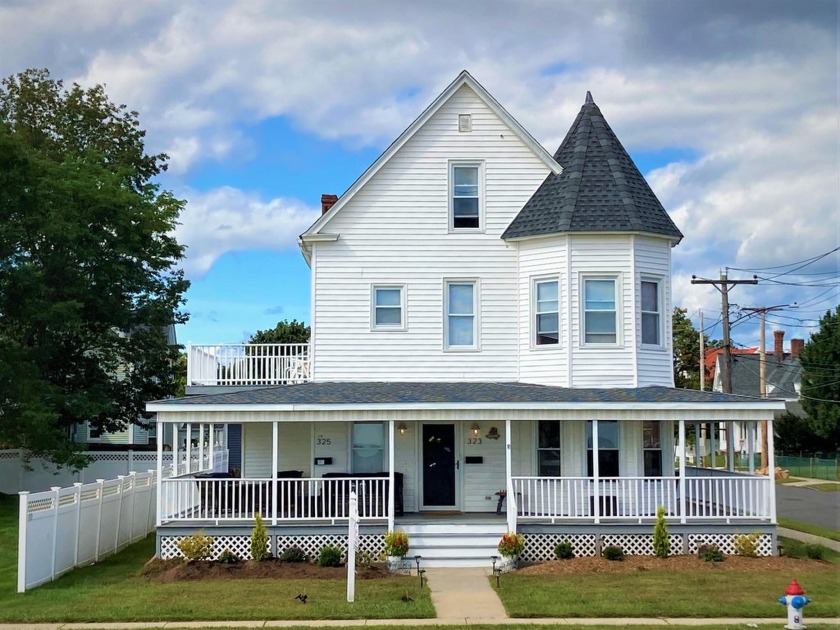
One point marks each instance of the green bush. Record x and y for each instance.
(613, 553)
(710, 553)
(329, 557)
(227, 557)
(294, 554)
(563, 550)
(661, 542)
(793, 549)
(815, 551)
(746, 544)
(196, 547)
(259, 541)
(364, 559)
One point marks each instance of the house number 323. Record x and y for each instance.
(473, 440)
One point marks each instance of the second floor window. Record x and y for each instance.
(465, 197)
(651, 335)
(388, 308)
(599, 311)
(546, 312)
(460, 315)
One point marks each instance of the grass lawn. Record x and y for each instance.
(666, 593)
(529, 626)
(808, 528)
(113, 591)
(828, 486)
(788, 480)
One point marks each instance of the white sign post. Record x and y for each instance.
(352, 544)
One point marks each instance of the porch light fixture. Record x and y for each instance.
(475, 429)
(402, 429)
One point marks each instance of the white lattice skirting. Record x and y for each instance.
(640, 544)
(540, 547)
(374, 544)
(726, 543)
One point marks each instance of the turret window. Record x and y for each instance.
(651, 320)
(599, 311)
(546, 312)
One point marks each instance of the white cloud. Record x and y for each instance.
(227, 219)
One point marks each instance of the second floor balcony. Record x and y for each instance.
(234, 365)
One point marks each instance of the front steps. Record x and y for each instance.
(450, 545)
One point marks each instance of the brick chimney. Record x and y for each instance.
(327, 202)
(796, 347)
(779, 345)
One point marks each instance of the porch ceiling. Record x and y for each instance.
(337, 401)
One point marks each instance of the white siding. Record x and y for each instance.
(395, 230)
(653, 260)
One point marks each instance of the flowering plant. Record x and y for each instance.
(396, 543)
(511, 544)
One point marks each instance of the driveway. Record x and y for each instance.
(808, 505)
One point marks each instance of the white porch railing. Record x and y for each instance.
(637, 498)
(220, 500)
(248, 364)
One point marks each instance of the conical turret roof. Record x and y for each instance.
(599, 190)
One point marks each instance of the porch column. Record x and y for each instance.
(201, 446)
(596, 474)
(188, 447)
(698, 454)
(391, 489)
(751, 446)
(175, 452)
(771, 470)
(730, 446)
(211, 455)
(511, 506)
(274, 436)
(712, 445)
(159, 472)
(683, 481)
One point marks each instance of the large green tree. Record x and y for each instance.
(820, 392)
(687, 350)
(88, 266)
(284, 332)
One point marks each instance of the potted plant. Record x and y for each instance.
(396, 546)
(510, 548)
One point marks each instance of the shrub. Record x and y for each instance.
(396, 543)
(196, 547)
(746, 544)
(710, 553)
(329, 557)
(614, 553)
(364, 559)
(259, 541)
(815, 551)
(294, 554)
(661, 542)
(563, 550)
(228, 557)
(511, 544)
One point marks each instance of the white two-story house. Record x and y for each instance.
(490, 352)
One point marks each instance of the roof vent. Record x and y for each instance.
(464, 122)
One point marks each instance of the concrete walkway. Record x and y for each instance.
(808, 538)
(465, 596)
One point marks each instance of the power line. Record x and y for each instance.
(806, 262)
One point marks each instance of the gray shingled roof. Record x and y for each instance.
(781, 376)
(599, 190)
(373, 393)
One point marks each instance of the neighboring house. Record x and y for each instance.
(783, 375)
(487, 320)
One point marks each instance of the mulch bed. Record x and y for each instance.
(633, 564)
(176, 570)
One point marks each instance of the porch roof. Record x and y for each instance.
(457, 395)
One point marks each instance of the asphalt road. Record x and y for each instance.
(808, 505)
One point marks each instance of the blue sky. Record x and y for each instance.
(729, 107)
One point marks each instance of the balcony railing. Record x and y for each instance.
(725, 498)
(316, 499)
(248, 364)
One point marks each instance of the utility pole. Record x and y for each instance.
(762, 368)
(723, 285)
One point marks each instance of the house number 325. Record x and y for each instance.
(323, 441)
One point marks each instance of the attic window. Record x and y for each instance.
(464, 122)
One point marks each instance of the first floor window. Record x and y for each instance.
(546, 312)
(387, 307)
(607, 449)
(368, 447)
(94, 432)
(599, 311)
(465, 200)
(650, 313)
(548, 448)
(460, 315)
(652, 445)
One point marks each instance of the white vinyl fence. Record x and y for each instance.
(65, 528)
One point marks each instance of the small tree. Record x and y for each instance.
(661, 542)
(259, 540)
